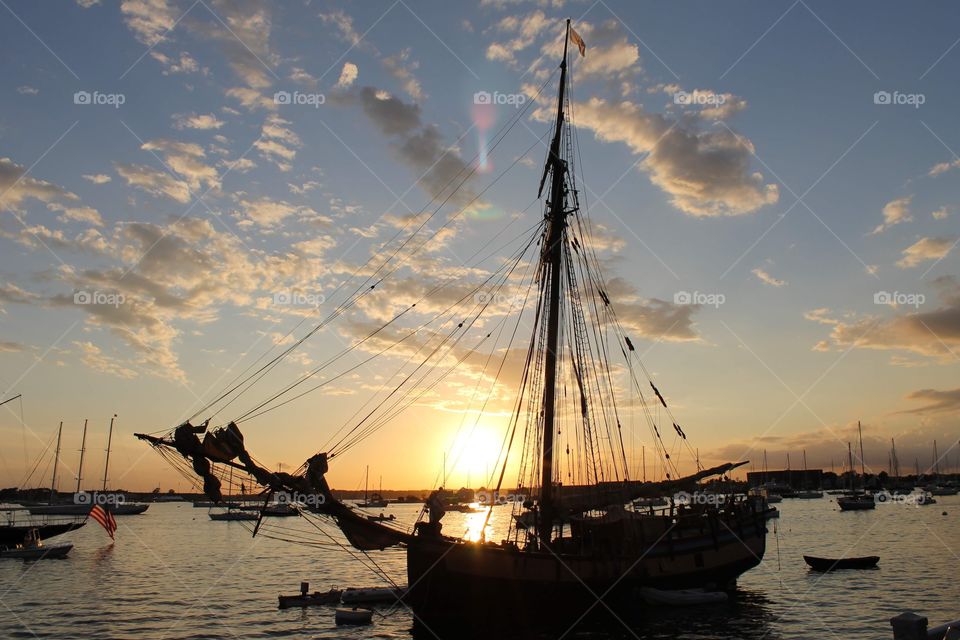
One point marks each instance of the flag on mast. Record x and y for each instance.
(577, 40)
(105, 518)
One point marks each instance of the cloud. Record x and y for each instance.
(27, 90)
(10, 347)
(194, 121)
(149, 20)
(277, 143)
(941, 214)
(173, 65)
(438, 166)
(16, 187)
(245, 41)
(156, 182)
(86, 4)
(934, 334)
(936, 401)
(99, 178)
(943, 167)
(93, 357)
(267, 212)
(391, 115)
(895, 212)
(652, 318)
(169, 276)
(523, 31)
(402, 68)
(705, 173)
(348, 75)
(926, 249)
(766, 278)
(343, 24)
(88, 215)
(301, 76)
(251, 99)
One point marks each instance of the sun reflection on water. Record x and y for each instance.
(473, 522)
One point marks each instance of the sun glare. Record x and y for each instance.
(473, 455)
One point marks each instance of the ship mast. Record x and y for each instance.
(552, 257)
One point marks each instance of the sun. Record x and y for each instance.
(474, 454)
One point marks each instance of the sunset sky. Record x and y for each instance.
(792, 166)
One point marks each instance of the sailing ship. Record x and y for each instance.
(580, 539)
(81, 502)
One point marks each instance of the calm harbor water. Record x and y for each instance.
(173, 573)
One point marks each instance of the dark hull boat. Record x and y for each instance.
(448, 577)
(84, 509)
(11, 534)
(575, 535)
(860, 502)
(234, 516)
(831, 564)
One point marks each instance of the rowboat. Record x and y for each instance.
(682, 597)
(831, 564)
(353, 616)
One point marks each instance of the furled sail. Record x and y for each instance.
(576, 499)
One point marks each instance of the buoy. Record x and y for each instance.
(353, 616)
(944, 513)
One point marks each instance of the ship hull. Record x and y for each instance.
(449, 580)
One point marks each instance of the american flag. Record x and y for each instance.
(105, 518)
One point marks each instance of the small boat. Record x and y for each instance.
(856, 502)
(233, 516)
(34, 549)
(305, 599)
(682, 597)
(830, 564)
(281, 511)
(371, 594)
(464, 508)
(809, 495)
(382, 518)
(375, 500)
(353, 616)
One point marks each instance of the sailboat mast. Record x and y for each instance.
(553, 255)
(366, 481)
(106, 465)
(56, 463)
(862, 471)
(936, 462)
(83, 448)
(852, 473)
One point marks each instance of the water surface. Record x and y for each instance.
(174, 573)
